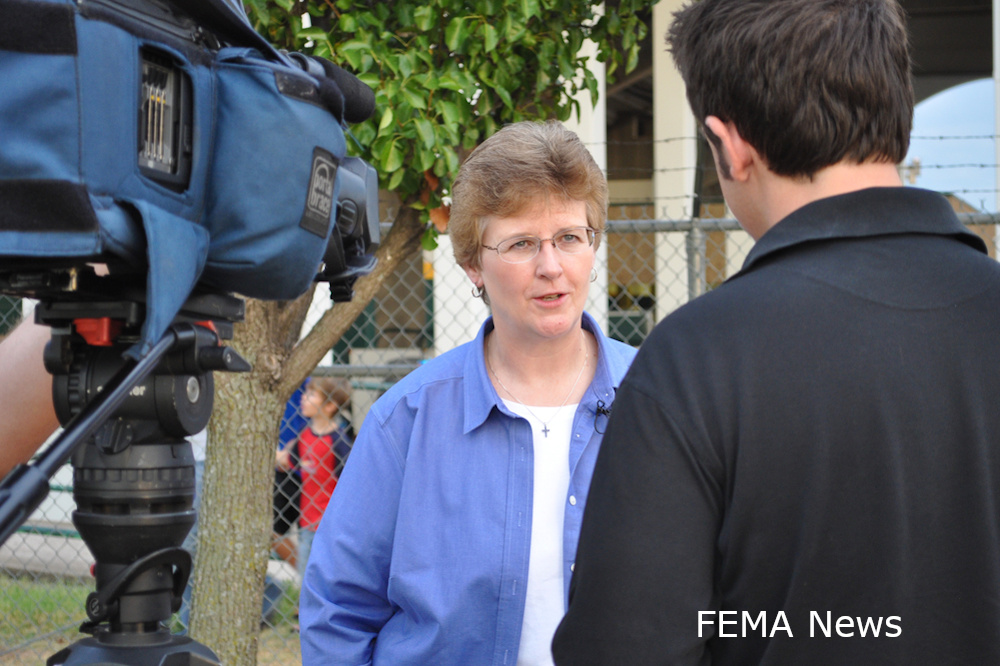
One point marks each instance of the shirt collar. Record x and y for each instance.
(877, 211)
(481, 397)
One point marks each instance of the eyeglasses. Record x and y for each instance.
(520, 249)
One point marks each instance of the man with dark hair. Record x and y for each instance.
(802, 465)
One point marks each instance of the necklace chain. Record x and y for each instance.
(545, 424)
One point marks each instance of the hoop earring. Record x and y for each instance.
(478, 290)
(593, 275)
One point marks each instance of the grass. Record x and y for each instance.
(42, 616)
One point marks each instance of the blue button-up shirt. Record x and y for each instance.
(422, 555)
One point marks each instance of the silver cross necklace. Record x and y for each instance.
(545, 424)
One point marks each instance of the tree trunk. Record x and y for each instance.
(235, 518)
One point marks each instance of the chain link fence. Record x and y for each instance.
(646, 268)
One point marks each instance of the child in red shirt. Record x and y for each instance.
(323, 448)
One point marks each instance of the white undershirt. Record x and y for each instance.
(544, 604)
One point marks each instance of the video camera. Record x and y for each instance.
(171, 143)
(159, 160)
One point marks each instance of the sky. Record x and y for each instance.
(952, 129)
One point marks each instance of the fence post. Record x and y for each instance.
(696, 260)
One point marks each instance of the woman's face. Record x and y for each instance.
(542, 298)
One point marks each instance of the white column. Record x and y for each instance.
(996, 110)
(592, 128)
(674, 162)
(321, 302)
(457, 314)
(738, 244)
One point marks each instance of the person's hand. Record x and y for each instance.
(27, 414)
(283, 460)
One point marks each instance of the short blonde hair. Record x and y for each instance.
(515, 168)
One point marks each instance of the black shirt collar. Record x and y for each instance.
(877, 211)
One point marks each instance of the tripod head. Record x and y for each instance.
(125, 428)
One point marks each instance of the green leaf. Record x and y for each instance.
(451, 133)
(450, 112)
(258, 10)
(542, 81)
(491, 37)
(312, 33)
(591, 82)
(354, 58)
(484, 105)
(404, 13)
(504, 95)
(397, 178)
(614, 23)
(413, 98)
(425, 160)
(451, 160)
(348, 23)
(454, 34)
(449, 82)
(566, 69)
(390, 88)
(369, 79)
(485, 73)
(354, 45)
(633, 58)
(406, 64)
(393, 158)
(429, 240)
(364, 133)
(424, 17)
(387, 118)
(430, 81)
(529, 8)
(426, 131)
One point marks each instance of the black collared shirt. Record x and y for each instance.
(813, 448)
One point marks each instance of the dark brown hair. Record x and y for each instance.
(808, 83)
(333, 389)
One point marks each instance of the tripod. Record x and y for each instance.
(133, 469)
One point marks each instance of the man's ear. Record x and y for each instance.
(733, 154)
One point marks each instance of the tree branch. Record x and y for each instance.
(401, 242)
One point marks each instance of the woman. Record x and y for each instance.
(452, 534)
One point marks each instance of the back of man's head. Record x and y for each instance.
(808, 83)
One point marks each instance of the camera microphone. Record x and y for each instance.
(227, 18)
(359, 99)
(342, 92)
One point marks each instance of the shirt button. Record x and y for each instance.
(572, 500)
(572, 567)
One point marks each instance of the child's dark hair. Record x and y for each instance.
(335, 389)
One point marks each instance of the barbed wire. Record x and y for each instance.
(955, 137)
(916, 137)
